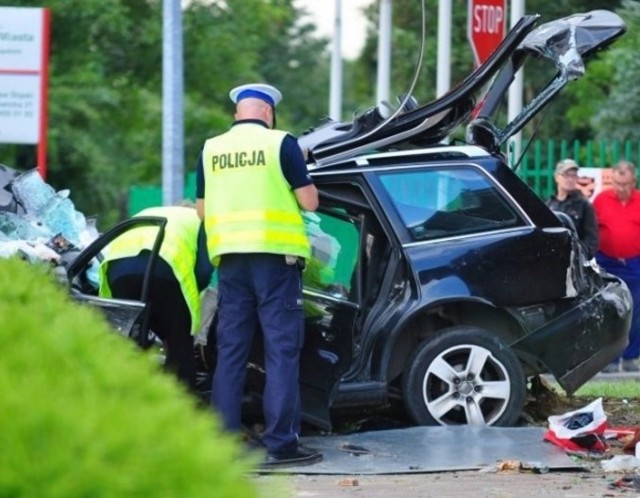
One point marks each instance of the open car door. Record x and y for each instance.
(128, 317)
(332, 290)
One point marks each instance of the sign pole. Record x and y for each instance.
(515, 90)
(172, 104)
(443, 79)
(335, 88)
(44, 95)
(384, 52)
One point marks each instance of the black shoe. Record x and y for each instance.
(301, 456)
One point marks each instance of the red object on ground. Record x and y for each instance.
(593, 442)
(630, 446)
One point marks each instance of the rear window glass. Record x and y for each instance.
(448, 202)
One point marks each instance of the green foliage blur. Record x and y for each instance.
(619, 389)
(552, 123)
(105, 97)
(83, 413)
(616, 113)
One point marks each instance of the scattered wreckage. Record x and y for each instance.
(38, 223)
(437, 275)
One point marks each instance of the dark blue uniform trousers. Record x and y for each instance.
(260, 290)
(170, 316)
(629, 271)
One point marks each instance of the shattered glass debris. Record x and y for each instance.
(35, 220)
(31, 191)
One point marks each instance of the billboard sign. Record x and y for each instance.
(23, 74)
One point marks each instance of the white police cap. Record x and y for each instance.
(262, 91)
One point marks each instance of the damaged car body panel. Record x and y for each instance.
(566, 43)
(484, 271)
(418, 125)
(597, 328)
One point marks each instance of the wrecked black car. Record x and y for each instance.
(437, 276)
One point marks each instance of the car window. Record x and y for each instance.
(447, 202)
(335, 239)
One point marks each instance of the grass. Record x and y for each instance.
(626, 389)
(619, 400)
(84, 413)
(596, 388)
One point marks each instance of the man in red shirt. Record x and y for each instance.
(618, 214)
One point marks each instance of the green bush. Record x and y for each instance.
(83, 413)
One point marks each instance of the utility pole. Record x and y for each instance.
(384, 52)
(172, 104)
(515, 90)
(335, 97)
(443, 79)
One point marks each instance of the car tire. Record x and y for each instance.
(464, 375)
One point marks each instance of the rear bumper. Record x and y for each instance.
(578, 344)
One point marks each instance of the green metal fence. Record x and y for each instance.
(536, 168)
(144, 196)
(541, 157)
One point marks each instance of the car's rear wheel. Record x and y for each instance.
(464, 375)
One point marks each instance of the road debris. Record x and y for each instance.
(516, 466)
(627, 482)
(348, 482)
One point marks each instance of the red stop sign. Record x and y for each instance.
(486, 27)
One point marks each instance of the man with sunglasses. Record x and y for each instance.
(569, 200)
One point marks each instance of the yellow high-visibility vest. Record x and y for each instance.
(178, 249)
(249, 206)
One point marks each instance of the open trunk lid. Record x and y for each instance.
(565, 43)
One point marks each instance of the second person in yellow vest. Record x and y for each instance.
(182, 271)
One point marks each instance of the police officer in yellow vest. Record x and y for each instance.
(251, 183)
(182, 271)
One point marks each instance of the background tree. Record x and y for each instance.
(406, 35)
(613, 93)
(104, 100)
(105, 95)
(406, 40)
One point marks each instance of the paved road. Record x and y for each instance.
(471, 484)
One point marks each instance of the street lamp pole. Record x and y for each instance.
(384, 52)
(443, 81)
(515, 90)
(172, 104)
(335, 90)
